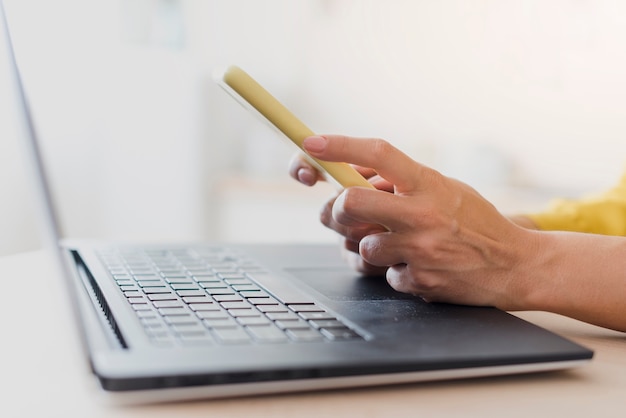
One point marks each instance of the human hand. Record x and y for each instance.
(301, 170)
(436, 237)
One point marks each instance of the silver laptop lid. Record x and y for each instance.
(46, 209)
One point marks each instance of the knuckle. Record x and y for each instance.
(422, 282)
(429, 250)
(381, 147)
(348, 199)
(351, 200)
(369, 247)
(326, 214)
(412, 280)
(434, 175)
(428, 217)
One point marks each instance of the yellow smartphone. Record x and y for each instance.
(254, 97)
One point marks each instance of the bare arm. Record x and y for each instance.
(438, 238)
(579, 275)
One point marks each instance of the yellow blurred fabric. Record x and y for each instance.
(599, 214)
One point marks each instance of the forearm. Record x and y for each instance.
(582, 276)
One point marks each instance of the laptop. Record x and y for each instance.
(176, 322)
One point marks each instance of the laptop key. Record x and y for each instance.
(256, 293)
(309, 307)
(297, 324)
(152, 323)
(179, 280)
(188, 327)
(197, 299)
(245, 287)
(272, 308)
(220, 323)
(282, 316)
(194, 339)
(327, 323)
(172, 273)
(168, 304)
(147, 314)
(156, 289)
(316, 315)
(204, 307)
(253, 320)
(339, 333)
(133, 294)
(206, 277)
(234, 277)
(182, 320)
(264, 300)
(137, 301)
(162, 296)
(184, 286)
(219, 314)
(173, 311)
(228, 298)
(142, 271)
(231, 335)
(184, 293)
(238, 313)
(148, 283)
(147, 277)
(241, 280)
(266, 333)
(304, 335)
(219, 291)
(213, 284)
(235, 305)
(124, 277)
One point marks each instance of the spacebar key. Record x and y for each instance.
(281, 289)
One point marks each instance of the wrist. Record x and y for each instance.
(528, 285)
(523, 221)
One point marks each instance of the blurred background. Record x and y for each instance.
(524, 100)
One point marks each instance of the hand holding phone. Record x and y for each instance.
(252, 95)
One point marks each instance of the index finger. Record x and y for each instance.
(388, 161)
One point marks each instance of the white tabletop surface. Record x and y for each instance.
(44, 373)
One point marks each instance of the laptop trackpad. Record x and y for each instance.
(344, 285)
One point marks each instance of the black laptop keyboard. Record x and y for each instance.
(210, 296)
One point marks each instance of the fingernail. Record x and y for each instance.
(306, 176)
(315, 143)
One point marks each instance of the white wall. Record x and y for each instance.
(501, 93)
(17, 229)
(540, 81)
(496, 92)
(118, 120)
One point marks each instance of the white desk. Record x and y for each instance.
(45, 375)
